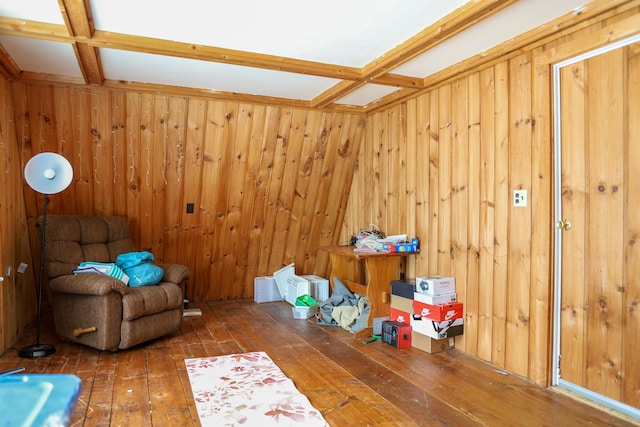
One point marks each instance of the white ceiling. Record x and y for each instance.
(347, 33)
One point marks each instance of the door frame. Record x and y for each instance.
(556, 380)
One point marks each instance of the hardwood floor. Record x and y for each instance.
(351, 383)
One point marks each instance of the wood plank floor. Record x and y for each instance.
(351, 383)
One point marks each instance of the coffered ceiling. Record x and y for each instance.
(335, 53)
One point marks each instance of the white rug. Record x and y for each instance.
(247, 390)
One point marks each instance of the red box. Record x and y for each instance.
(399, 316)
(397, 334)
(439, 312)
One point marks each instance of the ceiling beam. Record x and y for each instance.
(390, 79)
(9, 68)
(106, 39)
(335, 92)
(34, 29)
(89, 62)
(222, 55)
(466, 16)
(79, 29)
(77, 17)
(556, 29)
(79, 21)
(447, 27)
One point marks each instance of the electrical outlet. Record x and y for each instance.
(520, 198)
(22, 267)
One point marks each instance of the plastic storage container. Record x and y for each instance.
(302, 312)
(265, 289)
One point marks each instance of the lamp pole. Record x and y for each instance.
(46, 173)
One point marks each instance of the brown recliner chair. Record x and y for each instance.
(99, 310)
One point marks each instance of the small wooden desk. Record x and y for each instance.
(368, 274)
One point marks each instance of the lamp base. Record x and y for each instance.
(36, 350)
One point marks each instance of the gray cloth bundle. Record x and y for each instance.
(344, 308)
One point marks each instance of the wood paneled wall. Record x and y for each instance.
(269, 184)
(17, 290)
(443, 167)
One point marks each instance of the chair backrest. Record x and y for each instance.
(72, 239)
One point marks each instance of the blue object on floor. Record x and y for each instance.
(38, 399)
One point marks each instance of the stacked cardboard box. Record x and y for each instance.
(403, 309)
(436, 312)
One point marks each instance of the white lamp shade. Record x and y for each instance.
(48, 173)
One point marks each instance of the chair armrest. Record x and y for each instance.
(87, 284)
(175, 273)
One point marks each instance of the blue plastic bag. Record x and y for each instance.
(140, 268)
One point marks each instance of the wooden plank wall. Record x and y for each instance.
(17, 290)
(631, 331)
(600, 282)
(443, 166)
(269, 184)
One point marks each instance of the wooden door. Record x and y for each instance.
(599, 310)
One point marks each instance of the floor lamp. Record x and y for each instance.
(46, 173)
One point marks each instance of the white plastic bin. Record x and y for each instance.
(304, 312)
(265, 289)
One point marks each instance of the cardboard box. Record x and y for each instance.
(403, 288)
(265, 289)
(435, 285)
(400, 303)
(400, 316)
(397, 334)
(430, 345)
(437, 330)
(318, 287)
(436, 299)
(439, 312)
(400, 247)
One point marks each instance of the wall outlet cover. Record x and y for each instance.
(520, 198)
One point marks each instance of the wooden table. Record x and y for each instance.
(368, 274)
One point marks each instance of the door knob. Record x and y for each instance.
(564, 224)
